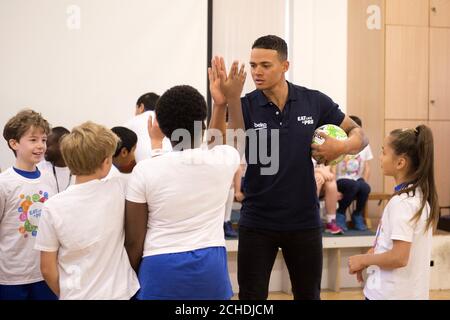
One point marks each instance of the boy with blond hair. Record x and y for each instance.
(82, 230)
(23, 191)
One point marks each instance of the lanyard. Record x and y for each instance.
(56, 178)
(397, 189)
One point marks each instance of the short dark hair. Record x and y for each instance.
(59, 131)
(273, 43)
(148, 100)
(128, 139)
(179, 108)
(357, 120)
(53, 153)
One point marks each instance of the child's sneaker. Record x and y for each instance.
(228, 230)
(341, 221)
(333, 228)
(358, 222)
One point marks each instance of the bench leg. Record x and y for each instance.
(365, 213)
(334, 265)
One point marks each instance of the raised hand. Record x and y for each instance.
(215, 82)
(233, 84)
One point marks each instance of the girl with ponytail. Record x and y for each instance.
(399, 263)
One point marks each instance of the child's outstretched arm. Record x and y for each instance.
(49, 270)
(395, 258)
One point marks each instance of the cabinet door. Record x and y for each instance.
(390, 125)
(440, 74)
(441, 134)
(440, 13)
(407, 72)
(407, 12)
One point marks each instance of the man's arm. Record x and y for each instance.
(357, 139)
(136, 218)
(49, 270)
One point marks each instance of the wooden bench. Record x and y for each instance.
(335, 249)
(380, 196)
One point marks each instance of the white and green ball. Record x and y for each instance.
(332, 131)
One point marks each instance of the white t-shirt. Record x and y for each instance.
(85, 224)
(114, 172)
(21, 203)
(413, 281)
(139, 124)
(352, 167)
(62, 178)
(186, 193)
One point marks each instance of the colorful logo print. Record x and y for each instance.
(30, 212)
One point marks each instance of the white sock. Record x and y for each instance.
(331, 217)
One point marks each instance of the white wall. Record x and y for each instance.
(238, 23)
(121, 50)
(319, 54)
(315, 30)
(125, 48)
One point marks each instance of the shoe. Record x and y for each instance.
(333, 228)
(341, 221)
(358, 222)
(228, 230)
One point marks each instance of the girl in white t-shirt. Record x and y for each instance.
(399, 264)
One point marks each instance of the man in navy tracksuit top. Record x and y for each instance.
(281, 209)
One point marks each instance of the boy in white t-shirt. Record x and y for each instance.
(352, 175)
(124, 156)
(23, 191)
(54, 163)
(145, 108)
(176, 204)
(82, 229)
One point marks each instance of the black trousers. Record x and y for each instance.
(257, 251)
(352, 190)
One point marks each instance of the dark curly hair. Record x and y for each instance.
(179, 108)
(273, 43)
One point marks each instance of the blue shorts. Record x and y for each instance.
(31, 291)
(194, 275)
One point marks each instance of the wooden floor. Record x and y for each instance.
(354, 295)
(349, 294)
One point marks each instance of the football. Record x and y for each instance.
(332, 131)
